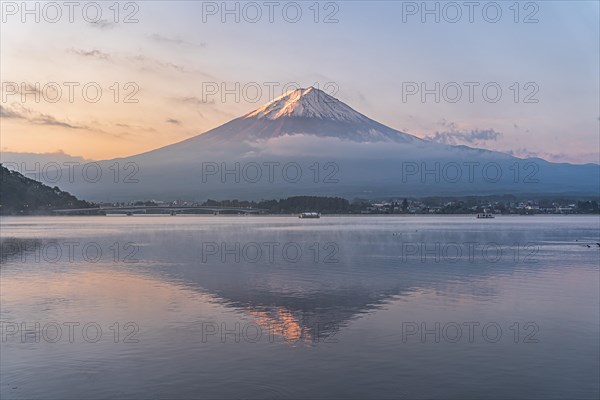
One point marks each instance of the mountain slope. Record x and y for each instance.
(21, 195)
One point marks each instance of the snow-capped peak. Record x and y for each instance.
(307, 103)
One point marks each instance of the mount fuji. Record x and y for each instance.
(307, 142)
(308, 111)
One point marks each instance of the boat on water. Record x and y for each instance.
(309, 215)
(485, 215)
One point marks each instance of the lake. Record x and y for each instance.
(280, 307)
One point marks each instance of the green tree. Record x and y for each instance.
(404, 205)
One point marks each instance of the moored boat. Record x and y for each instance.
(485, 215)
(309, 215)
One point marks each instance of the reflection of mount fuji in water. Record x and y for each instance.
(338, 151)
(312, 298)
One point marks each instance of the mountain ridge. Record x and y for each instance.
(20, 195)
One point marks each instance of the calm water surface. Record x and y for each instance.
(278, 307)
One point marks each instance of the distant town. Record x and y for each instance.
(337, 205)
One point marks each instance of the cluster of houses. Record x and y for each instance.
(422, 206)
(460, 207)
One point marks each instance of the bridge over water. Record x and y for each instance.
(172, 210)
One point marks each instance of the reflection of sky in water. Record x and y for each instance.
(360, 302)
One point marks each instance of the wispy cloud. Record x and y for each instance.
(453, 135)
(134, 127)
(156, 37)
(18, 111)
(193, 100)
(45, 119)
(475, 136)
(90, 53)
(173, 121)
(152, 64)
(8, 113)
(140, 62)
(26, 89)
(201, 106)
(103, 24)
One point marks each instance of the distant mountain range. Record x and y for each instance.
(307, 142)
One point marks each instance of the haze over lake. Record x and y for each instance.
(276, 306)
